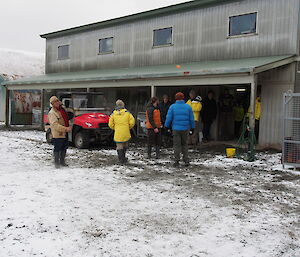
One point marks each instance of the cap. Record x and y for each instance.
(53, 99)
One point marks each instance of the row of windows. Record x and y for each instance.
(238, 25)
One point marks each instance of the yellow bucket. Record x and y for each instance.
(230, 152)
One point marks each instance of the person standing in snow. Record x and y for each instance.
(121, 121)
(153, 125)
(180, 118)
(195, 103)
(59, 124)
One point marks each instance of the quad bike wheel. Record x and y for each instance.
(82, 140)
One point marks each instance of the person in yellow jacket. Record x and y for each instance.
(238, 114)
(121, 121)
(257, 115)
(195, 103)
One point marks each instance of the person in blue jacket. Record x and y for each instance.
(180, 118)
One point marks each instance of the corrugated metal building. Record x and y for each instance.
(2, 100)
(200, 44)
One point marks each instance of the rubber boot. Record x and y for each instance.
(157, 152)
(121, 155)
(56, 160)
(125, 159)
(149, 149)
(62, 158)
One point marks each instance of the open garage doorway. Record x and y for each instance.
(227, 124)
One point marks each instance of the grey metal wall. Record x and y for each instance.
(2, 101)
(201, 34)
(297, 83)
(273, 84)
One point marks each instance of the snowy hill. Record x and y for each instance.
(17, 64)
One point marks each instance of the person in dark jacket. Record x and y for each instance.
(180, 118)
(164, 107)
(153, 125)
(209, 114)
(226, 122)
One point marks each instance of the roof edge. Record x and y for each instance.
(138, 16)
(191, 69)
(275, 64)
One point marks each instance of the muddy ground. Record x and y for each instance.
(235, 207)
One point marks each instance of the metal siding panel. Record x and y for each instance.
(198, 35)
(2, 101)
(274, 84)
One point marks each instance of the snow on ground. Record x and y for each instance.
(216, 207)
(17, 64)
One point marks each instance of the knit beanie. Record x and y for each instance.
(120, 104)
(179, 96)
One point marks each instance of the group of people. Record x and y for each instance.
(178, 117)
(181, 120)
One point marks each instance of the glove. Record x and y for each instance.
(192, 131)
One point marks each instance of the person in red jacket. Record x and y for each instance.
(153, 125)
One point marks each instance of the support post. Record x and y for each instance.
(251, 143)
(153, 90)
(42, 109)
(7, 107)
(252, 102)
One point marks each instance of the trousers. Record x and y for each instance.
(180, 144)
(60, 144)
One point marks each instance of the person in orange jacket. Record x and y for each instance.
(153, 125)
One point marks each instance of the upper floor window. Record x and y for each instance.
(162, 37)
(63, 52)
(106, 45)
(242, 24)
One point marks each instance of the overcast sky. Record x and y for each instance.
(22, 21)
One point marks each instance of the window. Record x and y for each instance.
(162, 37)
(106, 45)
(242, 24)
(63, 52)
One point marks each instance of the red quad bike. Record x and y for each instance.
(90, 122)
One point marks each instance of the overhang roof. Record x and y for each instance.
(247, 66)
(187, 6)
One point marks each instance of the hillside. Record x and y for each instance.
(17, 64)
